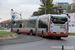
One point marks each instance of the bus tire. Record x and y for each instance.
(31, 32)
(42, 35)
(28, 34)
(18, 31)
(58, 37)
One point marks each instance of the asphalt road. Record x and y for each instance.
(22, 38)
(43, 44)
(28, 42)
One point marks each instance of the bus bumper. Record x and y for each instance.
(57, 34)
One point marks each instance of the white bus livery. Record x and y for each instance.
(46, 25)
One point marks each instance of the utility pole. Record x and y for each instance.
(11, 19)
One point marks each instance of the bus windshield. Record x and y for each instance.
(58, 19)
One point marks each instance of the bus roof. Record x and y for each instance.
(45, 15)
(59, 15)
(33, 18)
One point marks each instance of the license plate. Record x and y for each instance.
(58, 32)
(62, 27)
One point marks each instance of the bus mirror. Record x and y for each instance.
(65, 19)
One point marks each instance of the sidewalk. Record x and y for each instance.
(6, 30)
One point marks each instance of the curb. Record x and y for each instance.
(71, 36)
(11, 36)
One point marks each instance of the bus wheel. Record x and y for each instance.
(18, 32)
(42, 34)
(31, 32)
(58, 37)
(28, 34)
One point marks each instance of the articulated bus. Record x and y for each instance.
(46, 25)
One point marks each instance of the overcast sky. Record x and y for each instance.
(27, 7)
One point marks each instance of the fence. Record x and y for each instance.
(71, 27)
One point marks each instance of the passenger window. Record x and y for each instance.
(51, 22)
(66, 19)
(20, 26)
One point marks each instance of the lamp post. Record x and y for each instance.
(45, 6)
(60, 9)
(19, 14)
(11, 19)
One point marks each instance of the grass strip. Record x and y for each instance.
(5, 33)
(72, 34)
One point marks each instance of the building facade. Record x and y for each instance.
(73, 7)
(64, 6)
(2, 25)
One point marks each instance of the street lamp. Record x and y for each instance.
(60, 9)
(45, 6)
(11, 19)
(13, 16)
(19, 14)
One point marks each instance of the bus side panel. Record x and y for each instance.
(24, 30)
(40, 30)
(15, 31)
(43, 24)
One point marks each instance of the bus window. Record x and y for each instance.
(15, 23)
(65, 19)
(25, 23)
(51, 22)
(32, 23)
(20, 26)
(29, 24)
(43, 23)
(59, 20)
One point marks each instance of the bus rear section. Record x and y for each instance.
(58, 26)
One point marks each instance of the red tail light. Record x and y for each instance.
(67, 27)
(49, 25)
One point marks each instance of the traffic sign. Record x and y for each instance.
(13, 16)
